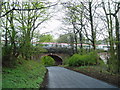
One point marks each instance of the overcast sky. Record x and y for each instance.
(53, 25)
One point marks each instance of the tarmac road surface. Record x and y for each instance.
(59, 77)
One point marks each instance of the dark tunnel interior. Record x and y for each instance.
(58, 60)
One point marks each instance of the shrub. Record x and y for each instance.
(92, 57)
(75, 60)
(47, 61)
(80, 60)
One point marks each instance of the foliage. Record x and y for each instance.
(27, 74)
(64, 38)
(47, 61)
(102, 66)
(37, 50)
(88, 59)
(84, 51)
(46, 38)
(66, 60)
(113, 66)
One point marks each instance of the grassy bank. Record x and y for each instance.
(27, 74)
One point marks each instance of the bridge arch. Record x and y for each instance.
(57, 58)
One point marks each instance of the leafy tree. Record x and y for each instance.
(46, 38)
(65, 38)
(31, 19)
(19, 20)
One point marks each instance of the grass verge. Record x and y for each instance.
(29, 74)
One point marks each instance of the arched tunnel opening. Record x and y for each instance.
(58, 60)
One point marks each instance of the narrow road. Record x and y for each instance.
(59, 77)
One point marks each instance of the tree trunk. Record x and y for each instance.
(92, 29)
(0, 6)
(117, 40)
(0, 37)
(81, 42)
(118, 36)
(80, 32)
(72, 44)
(13, 34)
(75, 38)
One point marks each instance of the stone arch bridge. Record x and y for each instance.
(58, 54)
(58, 57)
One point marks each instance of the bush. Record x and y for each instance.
(47, 61)
(80, 60)
(75, 60)
(93, 57)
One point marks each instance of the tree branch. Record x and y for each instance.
(26, 9)
(39, 24)
(116, 11)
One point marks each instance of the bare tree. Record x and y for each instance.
(112, 40)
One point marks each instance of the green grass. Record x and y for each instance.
(95, 68)
(29, 74)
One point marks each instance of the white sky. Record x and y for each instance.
(53, 25)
